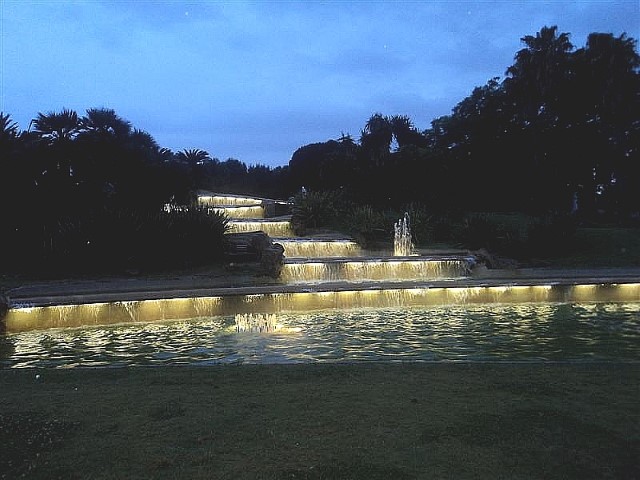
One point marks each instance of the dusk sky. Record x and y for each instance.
(257, 80)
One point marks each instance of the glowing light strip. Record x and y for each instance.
(22, 318)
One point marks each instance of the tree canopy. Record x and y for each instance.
(560, 132)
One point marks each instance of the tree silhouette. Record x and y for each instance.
(537, 84)
(8, 128)
(193, 157)
(57, 126)
(104, 121)
(376, 138)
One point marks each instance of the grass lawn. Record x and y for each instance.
(366, 421)
(604, 247)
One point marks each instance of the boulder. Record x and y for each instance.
(247, 246)
(4, 308)
(272, 260)
(490, 261)
(256, 247)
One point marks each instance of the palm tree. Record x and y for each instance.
(56, 127)
(8, 128)
(193, 157)
(376, 137)
(537, 84)
(143, 143)
(166, 155)
(104, 121)
(540, 70)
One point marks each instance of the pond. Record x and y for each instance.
(528, 332)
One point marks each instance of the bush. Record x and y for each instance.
(116, 240)
(491, 232)
(315, 210)
(551, 235)
(367, 225)
(422, 224)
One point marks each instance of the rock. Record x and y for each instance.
(256, 247)
(246, 247)
(491, 261)
(4, 308)
(272, 260)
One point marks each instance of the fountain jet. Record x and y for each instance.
(402, 246)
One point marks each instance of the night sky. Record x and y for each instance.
(256, 80)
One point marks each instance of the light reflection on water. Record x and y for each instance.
(508, 332)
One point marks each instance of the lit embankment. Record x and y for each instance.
(292, 299)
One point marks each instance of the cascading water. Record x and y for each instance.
(248, 212)
(375, 269)
(316, 262)
(227, 200)
(402, 245)
(312, 248)
(273, 228)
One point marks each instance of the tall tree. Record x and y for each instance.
(193, 157)
(607, 83)
(8, 128)
(536, 84)
(104, 121)
(57, 126)
(376, 138)
(540, 71)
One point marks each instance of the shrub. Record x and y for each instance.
(478, 231)
(366, 225)
(315, 210)
(422, 223)
(551, 235)
(488, 231)
(116, 240)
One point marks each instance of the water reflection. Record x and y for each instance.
(508, 332)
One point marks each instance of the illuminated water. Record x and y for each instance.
(498, 332)
(273, 228)
(248, 212)
(402, 244)
(227, 200)
(314, 248)
(368, 269)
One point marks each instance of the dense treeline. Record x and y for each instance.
(88, 193)
(91, 193)
(559, 133)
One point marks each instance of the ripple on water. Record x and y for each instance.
(525, 332)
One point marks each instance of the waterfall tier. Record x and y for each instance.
(248, 212)
(228, 201)
(387, 269)
(273, 227)
(254, 308)
(317, 248)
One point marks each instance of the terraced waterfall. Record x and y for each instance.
(322, 272)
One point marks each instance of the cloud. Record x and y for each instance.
(257, 80)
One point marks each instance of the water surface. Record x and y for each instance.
(492, 332)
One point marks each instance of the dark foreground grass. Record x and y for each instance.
(368, 421)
